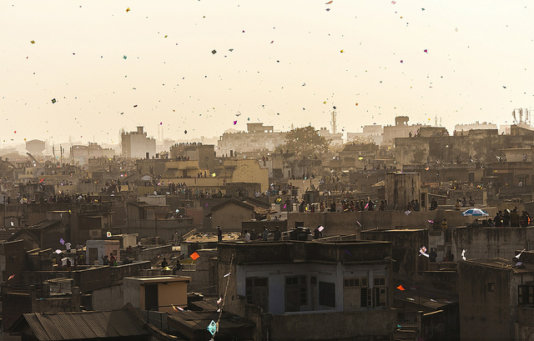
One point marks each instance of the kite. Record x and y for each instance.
(422, 251)
(212, 327)
(176, 308)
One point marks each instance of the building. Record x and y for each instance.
(230, 214)
(203, 153)
(156, 293)
(137, 145)
(97, 249)
(403, 188)
(463, 129)
(400, 129)
(497, 298)
(370, 133)
(257, 138)
(156, 219)
(124, 324)
(81, 154)
(280, 285)
(356, 156)
(334, 139)
(405, 245)
(483, 146)
(491, 242)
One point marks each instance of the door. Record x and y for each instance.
(151, 297)
(93, 255)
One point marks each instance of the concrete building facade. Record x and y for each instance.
(137, 144)
(280, 285)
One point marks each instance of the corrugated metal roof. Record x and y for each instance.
(86, 325)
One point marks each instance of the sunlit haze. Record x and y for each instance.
(193, 65)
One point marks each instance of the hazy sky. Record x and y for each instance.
(285, 63)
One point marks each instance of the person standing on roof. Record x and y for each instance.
(265, 234)
(219, 234)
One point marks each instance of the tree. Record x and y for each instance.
(305, 143)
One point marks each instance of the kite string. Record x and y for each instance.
(224, 296)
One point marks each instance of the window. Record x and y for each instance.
(365, 298)
(351, 282)
(296, 292)
(491, 287)
(327, 294)
(525, 294)
(257, 291)
(380, 281)
(379, 292)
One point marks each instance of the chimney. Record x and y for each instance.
(140, 129)
(147, 155)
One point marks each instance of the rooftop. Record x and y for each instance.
(261, 252)
(211, 237)
(159, 279)
(501, 264)
(81, 325)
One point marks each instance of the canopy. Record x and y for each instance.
(476, 212)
